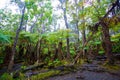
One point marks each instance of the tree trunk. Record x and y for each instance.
(79, 54)
(83, 41)
(38, 50)
(66, 24)
(83, 32)
(11, 63)
(77, 27)
(107, 43)
(60, 52)
(26, 25)
(67, 39)
(77, 31)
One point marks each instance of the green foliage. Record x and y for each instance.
(21, 77)
(28, 37)
(8, 21)
(45, 50)
(97, 42)
(116, 37)
(56, 37)
(57, 62)
(23, 67)
(101, 52)
(116, 47)
(54, 63)
(72, 52)
(115, 43)
(1, 59)
(6, 76)
(86, 48)
(114, 40)
(4, 38)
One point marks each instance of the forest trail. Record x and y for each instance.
(89, 72)
(86, 71)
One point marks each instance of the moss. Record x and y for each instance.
(81, 61)
(111, 67)
(21, 76)
(57, 63)
(45, 75)
(65, 62)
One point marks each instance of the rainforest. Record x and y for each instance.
(60, 40)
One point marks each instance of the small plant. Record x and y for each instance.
(72, 52)
(50, 63)
(101, 52)
(23, 67)
(57, 62)
(6, 76)
(22, 76)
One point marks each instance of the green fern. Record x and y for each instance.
(4, 38)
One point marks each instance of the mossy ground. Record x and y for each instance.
(112, 67)
(45, 75)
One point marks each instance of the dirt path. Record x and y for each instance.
(88, 72)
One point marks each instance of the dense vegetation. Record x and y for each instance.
(33, 35)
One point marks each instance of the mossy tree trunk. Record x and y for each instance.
(60, 52)
(107, 43)
(38, 50)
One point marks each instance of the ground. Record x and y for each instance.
(87, 71)
(91, 71)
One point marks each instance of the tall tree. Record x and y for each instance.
(83, 24)
(11, 63)
(106, 36)
(64, 7)
(107, 45)
(77, 17)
